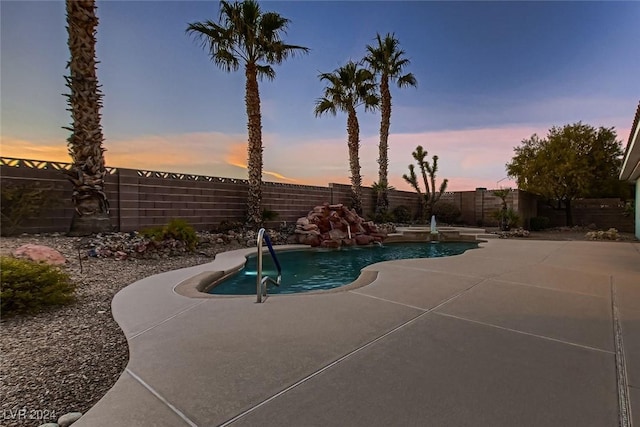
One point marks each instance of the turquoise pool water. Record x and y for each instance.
(316, 269)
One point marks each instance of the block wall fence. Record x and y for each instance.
(140, 199)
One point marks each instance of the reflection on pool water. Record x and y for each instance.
(316, 269)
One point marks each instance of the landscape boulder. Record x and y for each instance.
(39, 253)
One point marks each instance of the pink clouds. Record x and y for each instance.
(45, 149)
(468, 158)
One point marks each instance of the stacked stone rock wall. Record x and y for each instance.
(333, 226)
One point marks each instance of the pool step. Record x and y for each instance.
(486, 236)
(421, 234)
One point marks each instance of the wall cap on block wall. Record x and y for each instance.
(42, 164)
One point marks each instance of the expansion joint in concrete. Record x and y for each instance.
(137, 334)
(624, 404)
(348, 355)
(168, 404)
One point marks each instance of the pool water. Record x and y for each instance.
(317, 269)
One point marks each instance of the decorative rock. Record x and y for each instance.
(337, 234)
(364, 239)
(40, 253)
(310, 239)
(348, 242)
(49, 425)
(291, 240)
(334, 224)
(330, 243)
(312, 232)
(67, 419)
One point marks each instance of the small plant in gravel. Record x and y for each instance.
(610, 234)
(177, 229)
(26, 286)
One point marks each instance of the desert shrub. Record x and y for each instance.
(383, 217)
(610, 234)
(538, 223)
(629, 209)
(226, 225)
(27, 286)
(22, 201)
(509, 217)
(446, 212)
(177, 229)
(401, 214)
(269, 215)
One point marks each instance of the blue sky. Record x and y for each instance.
(489, 75)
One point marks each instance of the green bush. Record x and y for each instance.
(381, 218)
(177, 229)
(269, 215)
(401, 214)
(446, 212)
(509, 217)
(27, 286)
(629, 209)
(538, 223)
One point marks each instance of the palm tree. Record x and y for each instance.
(349, 87)
(386, 61)
(85, 143)
(245, 34)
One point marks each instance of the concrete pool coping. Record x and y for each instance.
(516, 332)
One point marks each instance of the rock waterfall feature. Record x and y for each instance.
(334, 226)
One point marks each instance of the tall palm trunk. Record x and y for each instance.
(254, 148)
(353, 132)
(85, 143)
(382, 203)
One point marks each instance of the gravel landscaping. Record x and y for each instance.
(65, 359)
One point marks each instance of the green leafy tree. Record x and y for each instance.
(88, 171)
(387, 61)
(348, 88)
(428, 172)
(573, 161)
(245, 34)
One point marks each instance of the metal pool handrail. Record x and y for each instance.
(261, 282)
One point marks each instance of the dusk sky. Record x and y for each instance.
(489, 75)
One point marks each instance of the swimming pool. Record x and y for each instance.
(318, 269)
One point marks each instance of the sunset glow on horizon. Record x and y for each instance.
(484, 85)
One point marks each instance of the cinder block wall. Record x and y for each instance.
(604, 213)
(141, 199)
(50, 176)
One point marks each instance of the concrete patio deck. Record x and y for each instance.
(515, 333)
